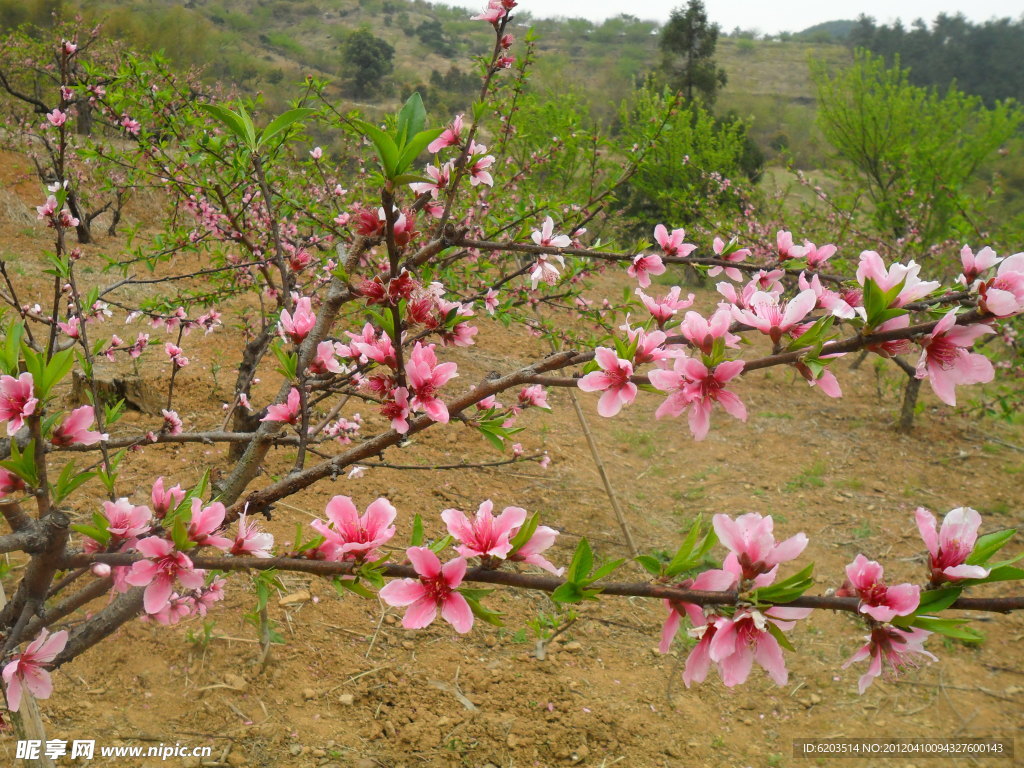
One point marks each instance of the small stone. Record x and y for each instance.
(390, 620)
(302, 596)
(389, 729)
(236, 759)
(365, 763)
(319, 753)
(308, 694)
(815, 698)
(408, 645)
(574, 647)
(295, 749)
(346, 699)
(237, 682)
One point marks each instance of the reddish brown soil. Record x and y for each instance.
(350, 687)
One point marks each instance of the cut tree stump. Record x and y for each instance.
(134, 390)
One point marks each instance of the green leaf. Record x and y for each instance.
(387, 151)
(649, 563)
(411, 119)
(780, 636)
(68, 481)
(179, 534)
(440, 545)
(417, 531)
(582, 562)
(12, 349)
(97, 534)
(524, 534)
(227, 118)
(248, 126)
(56, 369)
(484, 614)
(283, 122)
(352, 585)
(787, 590)
(988, 545)
(415, 147)
(955, 628)
(568, 593)
(604, 570)
(936, 600)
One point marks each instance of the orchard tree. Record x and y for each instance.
(688, 45)
(366, 61)
(352, 292)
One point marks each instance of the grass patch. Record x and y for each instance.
(811, 477)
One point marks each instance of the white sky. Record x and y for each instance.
(770, 16)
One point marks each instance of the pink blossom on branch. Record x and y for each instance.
(945, 361)
(165, 500)
(890, 649)
(879, 601)
(950, 547)
(485, 535)
(204, 522)
(288, 412)
(75, 429)
(871, 267)
(542, 539)
(752, 547)
(612, 380)
(426, 376)
(673, 244)
(691, 384)
(774, 318)
(16, 401)
(737, 256)
(296, 327)
(349, 536)
(663, 309)
(450, 137)
(434, 589)
(251, 540)
(158, 572)
(1003, 295)
(546, 237)
(645, 265)
(25, 670)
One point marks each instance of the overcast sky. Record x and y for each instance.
(774, 16)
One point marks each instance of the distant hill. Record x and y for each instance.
(837, 31)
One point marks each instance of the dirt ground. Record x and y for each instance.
(350, 687)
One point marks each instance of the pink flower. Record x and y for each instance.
(478, 173)
(75, 429)
(56, 118)
(816, 257)
(485, 535)
(645, 265)
(1003, 295)
(491, 301)
(285, 412)
(296, 327)
(880, 602)
(673, 244)
(316, 153)
(165, 501)
(544, 271)
(703, 333)
(493, 13)
(744, 638)
(16, 401)
(737, 256)
(534, 396)
(126, 521)
(350, 536)
(772, 318)
(434, 589)
(26, 668)
(871, 267)
(975, 264)
(172, 422)
(945, 361)
(325, 361)
(784, 243)
(251, 540)
(450, 137)
(426, 376)
(397, 410)
(612, 379)
(899, 648)
(10, 483)
(48, 208)
(714, 580)
(439, 178)
(952, 545)
(828, 299)
(751, 544)
(663, 309)
(203, 523)
(71, 327)
(159, 570)
(692, 384)
(546, 236)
